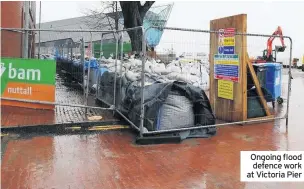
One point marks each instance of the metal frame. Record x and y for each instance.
(84, 84)
(119, 38)
(113, 106)
(215, 125)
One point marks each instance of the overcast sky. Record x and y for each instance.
(263, 17)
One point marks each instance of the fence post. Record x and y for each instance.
(142, 108)
(88, 76)
(115, 74)
(39, 30)
(82, 49)
(26, 26)
(101, 39)
(289, 83)
(121, 59)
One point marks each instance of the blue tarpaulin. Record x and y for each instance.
(153, 35)
(93, 64)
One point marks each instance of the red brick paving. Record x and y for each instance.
(16, 116)
(111, 160)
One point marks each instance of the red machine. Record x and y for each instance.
(270, 55)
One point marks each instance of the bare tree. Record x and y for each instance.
(102, 17)
(133, 13)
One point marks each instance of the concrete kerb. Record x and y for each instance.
(59, 128)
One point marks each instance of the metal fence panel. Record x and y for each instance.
(73, 99)
(189, 43)
(127, 86)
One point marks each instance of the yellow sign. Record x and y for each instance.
(303, 59)
(227, 62)
(225, 89)
(229, 41)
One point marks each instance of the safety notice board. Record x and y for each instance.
(225, 89)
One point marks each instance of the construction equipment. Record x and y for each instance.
(270, 55)
(303, 63)
(295, 63)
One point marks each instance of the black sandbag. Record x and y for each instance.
(154, 96)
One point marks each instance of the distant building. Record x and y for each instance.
(12, 16)
(59, 42)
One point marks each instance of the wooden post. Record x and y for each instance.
(225, 109)
(231, 105)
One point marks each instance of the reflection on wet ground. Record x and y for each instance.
(67, 92)
(111, 160)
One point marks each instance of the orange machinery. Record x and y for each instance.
(270, 55)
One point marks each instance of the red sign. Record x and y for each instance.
(228, 78)
(230, 32)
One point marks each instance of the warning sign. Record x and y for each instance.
(226, 41)
(225, 89)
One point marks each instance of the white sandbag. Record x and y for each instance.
(166, 71)
(205, 80)
(188, 78)
(112, 69)
(194, 71)
(148, 67)
(196, 84)
(132, 63)
(172, 76)
(135, 62)
(127, 66)
(148, 63)
(131, 76)
(103, 65)
(153, 61)
(174, 68)
(132, 56)
(110, 60)
(175, 62)
(159, 68)
(123, 69)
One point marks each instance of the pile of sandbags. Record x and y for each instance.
(196, 74)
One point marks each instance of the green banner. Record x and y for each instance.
(32, 71)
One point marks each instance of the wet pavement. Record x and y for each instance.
(67, 92)
(111, 159)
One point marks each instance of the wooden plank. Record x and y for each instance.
(258, 87)
(259, 118)
(225, 109)
(244, 69)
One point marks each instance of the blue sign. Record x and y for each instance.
(226, 67)
(221, 50)
(227, 70)
(228, 50)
